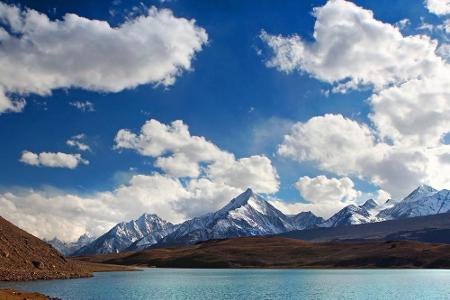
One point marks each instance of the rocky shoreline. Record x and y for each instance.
(25, 275)
(11, 294)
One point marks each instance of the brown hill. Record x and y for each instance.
(278, 252)
(10, 294)
(25, 257)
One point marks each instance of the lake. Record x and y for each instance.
(249, 284)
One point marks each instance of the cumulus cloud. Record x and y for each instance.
(347, 148)
(416, 112)
(351, 48)
(196, 177)
(84, 106)
(156, 139)
(438, 7)
(338, 144)
(38, 55)
(181, 154)
(56, 213)
(403, 145)
(52, 160)
(77, 141)
(50, 213)
(322, 188)
(444, 49)
(325, 195)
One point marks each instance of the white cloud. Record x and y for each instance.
(55, 213)
(379, 196)
(38, 55)
(416, 112)
(438, 7)
(321, 188)
(402, 24)
(255, 171)
(325, 196)
(347, 148)
(178, 165)
(6, 104)
(403, 145)
(85, 106)
(156, 139)
(78, 142)
(336, 143)
(444, 50)
(352, 48)
(181, 154)
(197, 178)
(53, 160)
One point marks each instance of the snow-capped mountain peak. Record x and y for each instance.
(124, 234)
(369, 205)
(349, 215)
(422, 201)
(248, 214)
(237, 202)
(67, 248)
(420, 192)
(306, 220)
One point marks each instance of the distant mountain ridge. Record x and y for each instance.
(123, 235)
(306, 220)
(246, 215)
(432, 229)
(423, 201)
(68, 248)
(249, 214)
(419, 203)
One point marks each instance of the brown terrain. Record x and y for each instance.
(279, 252)
(10, 294)
(25, 257)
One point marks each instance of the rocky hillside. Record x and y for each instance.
(25, 257)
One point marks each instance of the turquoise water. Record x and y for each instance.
(250, 284)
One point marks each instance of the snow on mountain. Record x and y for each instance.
(369, 205)
(306, 220)
(148, 226)
(420, 192)
(67, 248)
(423, 201)
(250, 215)
(349, 215)
(246, 215)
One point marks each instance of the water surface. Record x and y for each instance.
(249, 284)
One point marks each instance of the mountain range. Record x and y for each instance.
(246, 215)
(147, 230)
(249, 214)
(67, 248)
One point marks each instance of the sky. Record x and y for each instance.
(109, 109)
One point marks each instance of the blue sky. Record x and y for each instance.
(230, 96)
